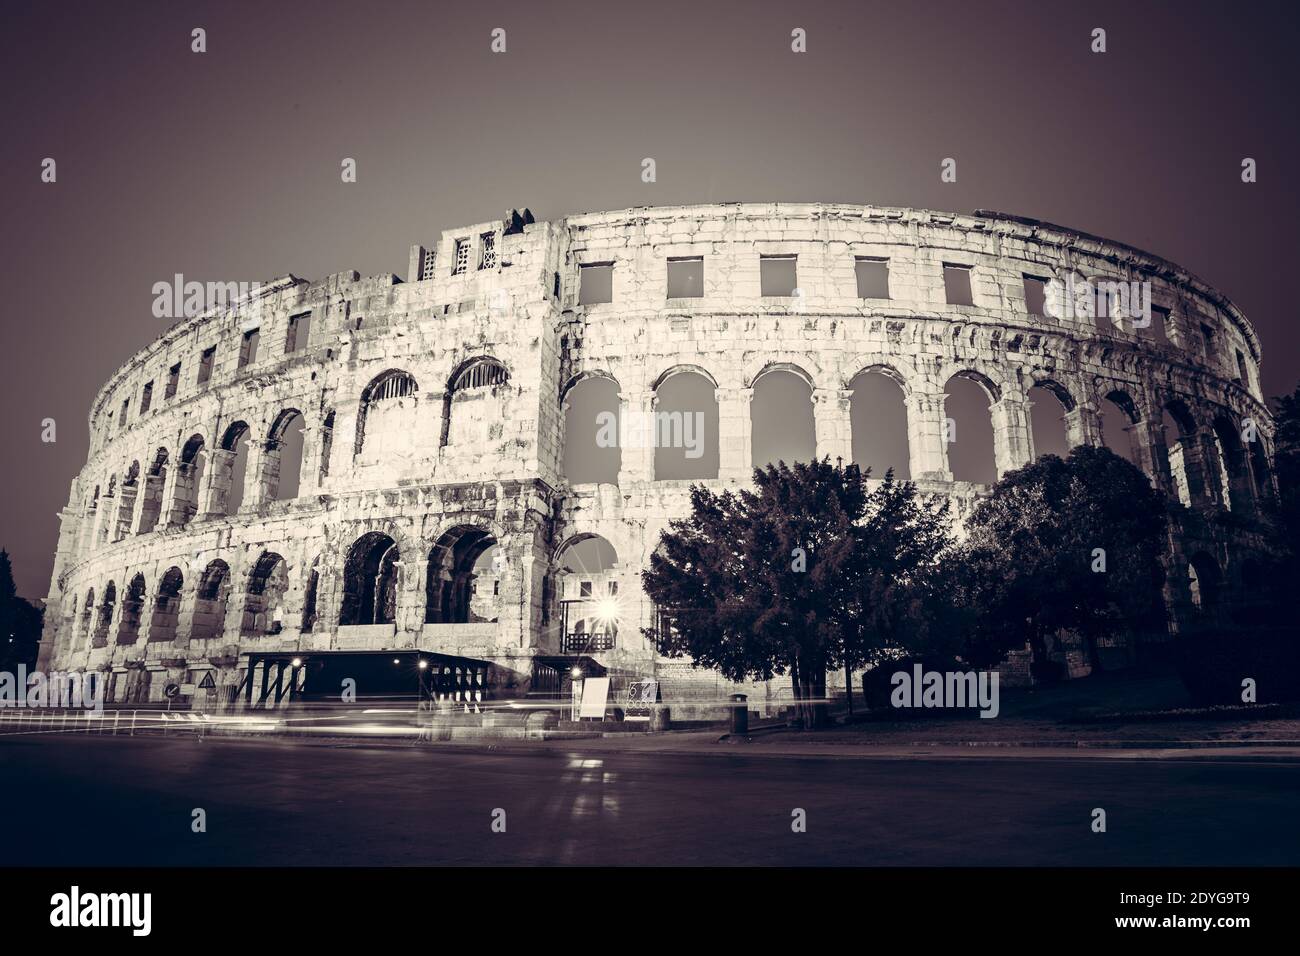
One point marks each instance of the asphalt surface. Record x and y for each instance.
(70, 801)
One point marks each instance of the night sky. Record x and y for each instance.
(225, 165)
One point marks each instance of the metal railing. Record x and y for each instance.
(118, 722)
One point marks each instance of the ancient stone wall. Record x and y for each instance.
(426, 421)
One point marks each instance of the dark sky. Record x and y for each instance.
(225, 165)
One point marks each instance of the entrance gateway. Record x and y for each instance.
(409, 675)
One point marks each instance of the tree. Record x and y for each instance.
(20, 622)
(1273, 601)
(810, 570)
(1063, 545)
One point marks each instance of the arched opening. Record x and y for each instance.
(586, 574)
(189, 475)
(878, 414)
(1117, 416)
(1203, 579)
(309, 597)
(282, 468)
(87, 621)
(386, 417)
(126, 501)
(1049, 403)
(1179, 431)
(684, 429)
(591, 432)
(370, 581)
(166, 607)
(473, 407)
(1233, 470)
(466, 567)
(232, 470)
(968, 428)
(210, 601)
(105, 620)
(264, 600)
(128, 629)
(155, 479)
(783, 426)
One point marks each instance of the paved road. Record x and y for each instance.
(129, 801)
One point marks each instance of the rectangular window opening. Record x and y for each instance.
(1207, 339)
(1159, 329)
(487, 250)
(462, 257)
(778, 275)
(205, 364)
(248, 347)
(173, 380)
(1035, 295)
(146, 397)
(596, 283)
(873, 277)
(686, 277)
(956, 284)
(299, 332)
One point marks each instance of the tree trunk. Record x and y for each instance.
(821, 710)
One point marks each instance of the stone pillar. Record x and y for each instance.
(216, 484)
(261, 473)
(1012, 440)
(185, 614)
(1206, 453)
(104, 519)
(232, 625)
(137, 507)
(531, 568)
(86, 532)
(343, 446)
(637, 453)
(410, 597)
(1083, 427)
(735, 439)
(182, 502)
(149, 503)
(1148, 438)
(927, 437)
(126, 513)
(329, 598)
(309, 471)
(833, 423)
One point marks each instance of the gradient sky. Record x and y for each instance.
(225, 165)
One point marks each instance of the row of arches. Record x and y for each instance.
(170, 491)
(881, 418)
(784, 426)
(463, 585)
(471, 403)
(140, 502)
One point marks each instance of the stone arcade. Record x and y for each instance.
(374, 464)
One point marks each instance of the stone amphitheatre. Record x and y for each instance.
(357, 465)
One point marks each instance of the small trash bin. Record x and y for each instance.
(660, 718)
(739, 714)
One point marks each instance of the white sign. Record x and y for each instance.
(595, 693)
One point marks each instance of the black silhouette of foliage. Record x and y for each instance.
(810, 570)
(1027, 567)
